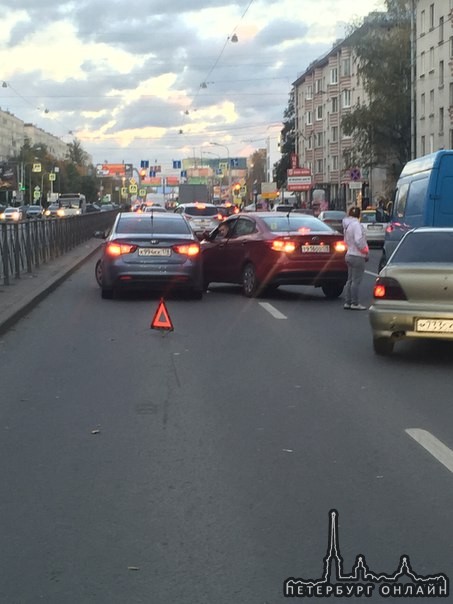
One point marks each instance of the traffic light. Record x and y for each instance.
(142, 173)
(237, 190)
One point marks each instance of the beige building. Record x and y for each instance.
(55, 146)
(11, 135)
(433, 84)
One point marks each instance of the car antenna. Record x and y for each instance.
(289, 212)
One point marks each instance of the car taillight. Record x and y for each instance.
(118, 249)
(220, 217)
(340, 246)
(236, 210)
(191, 249)
(283, 245)
(387, 288)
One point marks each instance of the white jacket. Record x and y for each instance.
(355, 237)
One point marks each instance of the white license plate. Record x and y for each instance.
(434, 325)
(375, 227)
(315, 249)
(154, 251)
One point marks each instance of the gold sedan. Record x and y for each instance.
(413, 294)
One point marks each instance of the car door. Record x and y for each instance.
(214, 250)
(238, 249)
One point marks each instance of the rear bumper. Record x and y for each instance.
(398, 322)
(298, 277)
(178, 276)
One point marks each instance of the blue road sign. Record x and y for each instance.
(177, 164)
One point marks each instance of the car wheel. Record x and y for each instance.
(250, 284)
(383, 346)
(332, 290)
(98, 272)
(106, 294)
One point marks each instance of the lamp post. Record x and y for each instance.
(229, 167)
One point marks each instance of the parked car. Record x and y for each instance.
(35, 211)
(92, 207)
(266, 249)
(11, 214)
(53, 211)
(202, 217)
(413, 294)
(374, 228)
(334, 218)
(156, 250)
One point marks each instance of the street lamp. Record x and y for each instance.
(229, 167)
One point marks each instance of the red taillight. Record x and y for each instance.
(220, 217)
(236, 210)
(389, 229)
(118, 249)
(191, 249)
(283, 245)
(387, 288)
(340, 246)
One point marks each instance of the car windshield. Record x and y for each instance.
(201, 211)
(425, 247)
(334, 215)
(152, 224)
(301, 222)
(368, 217)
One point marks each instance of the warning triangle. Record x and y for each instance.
(161, 319)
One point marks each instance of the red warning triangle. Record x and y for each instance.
(161, 319)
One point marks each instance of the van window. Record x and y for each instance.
(400, 201)
(415, 202)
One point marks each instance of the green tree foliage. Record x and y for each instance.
(288, 142)
(77, 154)
(381, 124)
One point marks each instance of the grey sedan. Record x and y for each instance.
(150, 251)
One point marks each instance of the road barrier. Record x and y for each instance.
(26, 244)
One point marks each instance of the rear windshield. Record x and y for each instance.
(334, 215)
(368, 217)
(152, 224)
(200, 211)
(296, 223)
(425, 247)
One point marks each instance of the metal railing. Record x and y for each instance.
(26, 244)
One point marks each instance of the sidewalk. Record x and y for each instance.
(23, 294)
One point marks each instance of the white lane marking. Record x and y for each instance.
(272, 310)
(371, 273)
(434, 446)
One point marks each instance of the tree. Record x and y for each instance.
(77, 154)
(381, 125)
(288, 142)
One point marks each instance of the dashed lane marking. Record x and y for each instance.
(272, 310)
(433, 445)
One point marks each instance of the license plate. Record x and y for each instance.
(434, 325)
(315, 249)
(375, 227)
(154, 251)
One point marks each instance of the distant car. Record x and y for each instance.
(107, 207)
(334, 218)
(225, 210)
(35, 211)
(284, 207)
(304, 211)
(149, 209)
(53, 211)
(150, 251)
(92, 207)
(202, 217)
(413, 294)
(262, 250)
(11, 214)
(375, 229)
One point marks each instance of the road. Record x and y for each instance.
(200, 466)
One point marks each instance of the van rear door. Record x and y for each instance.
(443, 198)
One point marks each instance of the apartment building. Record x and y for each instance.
(55, 146)
(434, 76)
(11, 135)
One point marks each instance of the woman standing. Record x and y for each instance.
(356, 256)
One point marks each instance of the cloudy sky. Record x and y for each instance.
(149, 79)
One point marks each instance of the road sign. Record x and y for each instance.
(123, 192)
(355, 173)
(133, 188)
(177, 165)
(355, 185)
(52, 176)
(36, 194)
(161, 319)
(36, 168)
(142, 192)
(132, 181)
(299, 179)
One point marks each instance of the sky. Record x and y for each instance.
(162, 81)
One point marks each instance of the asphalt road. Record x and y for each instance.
(200, 466)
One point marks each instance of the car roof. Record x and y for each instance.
(196, 204)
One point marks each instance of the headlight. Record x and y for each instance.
(2, 216)
(47, 213)
(16, 216)
(60, 212)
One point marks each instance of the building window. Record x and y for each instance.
(310, 142)
(431, 58)
(318, 86)
(319, 112)
(319, 165)
(431, 143)
(343, 135)
(346, 98)
(450, 96)
(441, 30)
(441, 120)
(346, 67)
(441, 73)
(422, 22)
(422, 64)
(318, 140)
(451, 139)
(431, 103)
(334, 162)
(423, 145)
(431, 17)
(334, 134)
(334, 75)
(308, 118)
(334, 104)
(422, 105)
(309, 92)
(451, 47)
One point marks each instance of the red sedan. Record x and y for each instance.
(268, 249)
